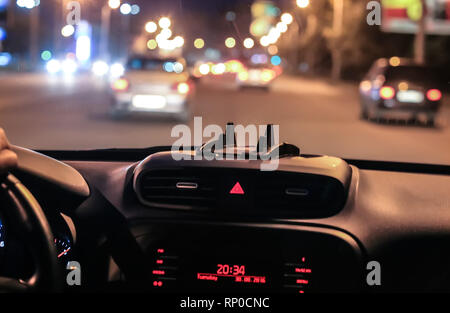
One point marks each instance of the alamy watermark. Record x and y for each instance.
(374, 16)
(245, 136)
(74, 16)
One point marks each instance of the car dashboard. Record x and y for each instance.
(155, 225)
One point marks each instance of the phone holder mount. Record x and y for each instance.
(266, 148)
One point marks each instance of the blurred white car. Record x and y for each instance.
(255, 76)
(153, 86)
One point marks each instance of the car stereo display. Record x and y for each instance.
(239, 259)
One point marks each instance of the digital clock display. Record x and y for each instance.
(233, 273)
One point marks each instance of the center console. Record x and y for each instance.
(192, 257)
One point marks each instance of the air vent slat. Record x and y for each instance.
(166, 188)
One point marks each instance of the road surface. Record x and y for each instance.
(41, 112)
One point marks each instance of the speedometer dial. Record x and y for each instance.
(63, 247)
(2, 236)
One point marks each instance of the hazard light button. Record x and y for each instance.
(237, 189)
(236, 193)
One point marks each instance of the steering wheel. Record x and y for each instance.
(25, 216)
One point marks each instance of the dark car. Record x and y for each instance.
(399, 88)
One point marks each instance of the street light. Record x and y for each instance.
(125, 9)
(114, 4)
(29, 4)
(230, 42)
(199, 43)
(264, 41)
(135, 9)
(67, 30)
(179, 41)
(164, 22)
(302, 3)
(248, 43)
(287, 18)
(152, 44)
(150, 27)
(166, 33)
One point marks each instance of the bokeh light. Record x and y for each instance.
(248, 43)
(152, 44)
(164, 22)
(230, 42)
(287, 18)
(151, 27)
(46, 55)
(125, 9)
(199, 43)
(275, 60)
(114, 4)
(67, 30)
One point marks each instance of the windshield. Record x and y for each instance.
(78, 75)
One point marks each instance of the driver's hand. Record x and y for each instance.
(8, 159)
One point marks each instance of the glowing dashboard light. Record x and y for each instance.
(387, 92)
(237, 189)
(100, 68)
(120, 84)
(183, 88)
(53, 66)
(434, 95)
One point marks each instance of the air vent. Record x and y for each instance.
(300, 188)
(177, 188)
(291, 193)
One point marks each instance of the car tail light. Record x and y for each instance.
(120, 84)
(267, 75)
(387, 92)
(434, 95)
(243, 75)
(182, 88)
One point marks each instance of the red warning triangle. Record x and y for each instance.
(237, 189)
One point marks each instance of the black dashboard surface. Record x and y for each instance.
(399, 219)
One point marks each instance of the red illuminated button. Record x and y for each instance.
(237, 189)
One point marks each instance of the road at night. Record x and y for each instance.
(39, 112)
